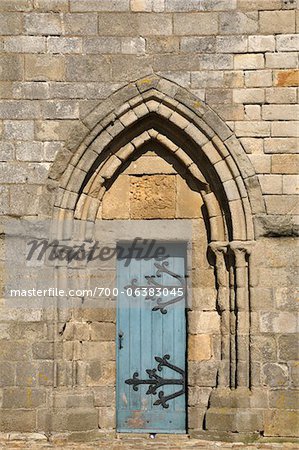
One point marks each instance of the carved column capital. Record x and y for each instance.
(242, 246)
(218, 246)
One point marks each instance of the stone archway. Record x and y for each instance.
(155, 110)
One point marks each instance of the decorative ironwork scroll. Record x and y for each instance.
(158, 287)
(155, 382)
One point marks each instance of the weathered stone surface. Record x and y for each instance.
(146, 199)
(281, 423)
(44, 67)
(61, 61)
(196, 23)
(199, 347)
(277, 21)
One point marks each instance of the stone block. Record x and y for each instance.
(24, 44)
(116, 200)
(44, 67)
(148, 199)
(247, 96)
(95, 350)
(271, 184)
(286, 78)
(81, 24)
(11, 67)
(104, 396)
(29, 398)
(222, 96)
(277, 22)
(252, 112)
(249, 61)
(24, 199)
(133, 46)
(162, 44)
(15, 5)
(7, 374)
(196, 418)
(199, 5)
(31, 90)
(263, 348)
(285, 164)
(290, 184)
(100, 373)
(206, 44)
(26, 374)
(43, 24)
(288, 347)
(281, 95)
(43, 350)
(261, 44)
(51, 5)
(199, 396)
(18, 420)
(199, 347)
(56, 130)
(80, 419)
(284, 399)
(287, 43)
(252, 129)
(234, 420)
(233, 79)
(253, 145)
(21, 130)
(202, 373)
(280, 112)
(11, 23)
(7, 151)
(281, 423)
(237, 22)
(195, 23)
(216, 62)
(87, 68)
(14, 350)
(103, 5)
(278, 322)
(60, 109)
(57, 44)
(102, 45)
(258, 78)
(281, 60)
(150, 165)
(135, 24)
(188, 202)
(80, 399)
(231, 44)
(249, 5)
(141, 5)
(102, 331)
(29, 151)
(19, 109)
(106, 418)
(287, 129)
(204, 322)
(206, 79)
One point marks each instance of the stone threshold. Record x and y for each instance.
(134, 441)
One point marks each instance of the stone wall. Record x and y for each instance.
(59, 59)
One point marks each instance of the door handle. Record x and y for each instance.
(120, 338)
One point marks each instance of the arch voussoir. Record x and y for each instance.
(149, 100)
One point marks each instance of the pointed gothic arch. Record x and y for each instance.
(155, 110)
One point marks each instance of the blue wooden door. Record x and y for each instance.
(151, 343)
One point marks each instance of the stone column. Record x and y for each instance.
(223, 305)
(241, 252)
